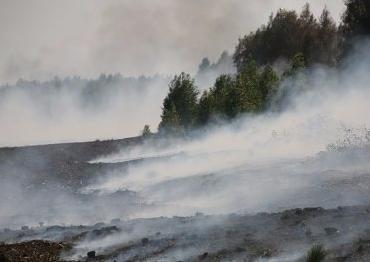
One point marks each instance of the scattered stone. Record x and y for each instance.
(91, 254)
(144, 241)
(203, 256)
(331, 230)
(299, 211)
(240, 249)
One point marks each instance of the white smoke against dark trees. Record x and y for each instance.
(113, 37)
(266, 162)
(88, 38)
(257, 163)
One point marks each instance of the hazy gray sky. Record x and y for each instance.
(43, 38)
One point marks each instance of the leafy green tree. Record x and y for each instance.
(170, 121)
(297, 63)
(268, 84)
(222, 94)
(248, 93)
(146, 131)
(355, 23)
(206, 108)
(328, 49)
(287, 34)
(356, 18)
(180, 103)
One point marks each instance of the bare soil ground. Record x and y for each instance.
(278, 236)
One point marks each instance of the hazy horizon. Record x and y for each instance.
(42, 39)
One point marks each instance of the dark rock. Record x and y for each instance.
(91, 254)
(144, 241)
(203, 256)
(240, 249)
(331, 230)
(299, 211)
(3, 258)
(25, 228)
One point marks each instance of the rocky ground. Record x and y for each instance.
(281, 235)
(284, 236)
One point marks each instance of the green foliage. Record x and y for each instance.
(268, 83)
(356, 18)
(302, 38)
(247, 92)
(146, 131)
(317, 253)
(249, 95)
(355, 23)
(220, 100)
(329, 47)
(287, 34)
(170, 121)
(297, 63)
(223, 94)
(206, 108)
(180, 105)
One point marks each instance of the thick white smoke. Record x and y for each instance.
(41, 39)
(258, 161)
(79, 110)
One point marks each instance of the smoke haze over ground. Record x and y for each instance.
(313, 153)
(273, 145)
(93, 37)
(183, 197)
(255, 163)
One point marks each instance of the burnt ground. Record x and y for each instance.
(278, 236)
(66, 164)
(285, 236)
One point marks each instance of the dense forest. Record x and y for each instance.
(278, 51)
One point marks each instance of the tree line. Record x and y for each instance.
(301, 39)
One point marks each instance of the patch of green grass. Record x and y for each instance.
(317, 253)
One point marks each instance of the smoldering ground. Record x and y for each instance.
(258, 163)
(314, 152)
(259, 160)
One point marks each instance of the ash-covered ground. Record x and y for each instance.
(123, 201)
